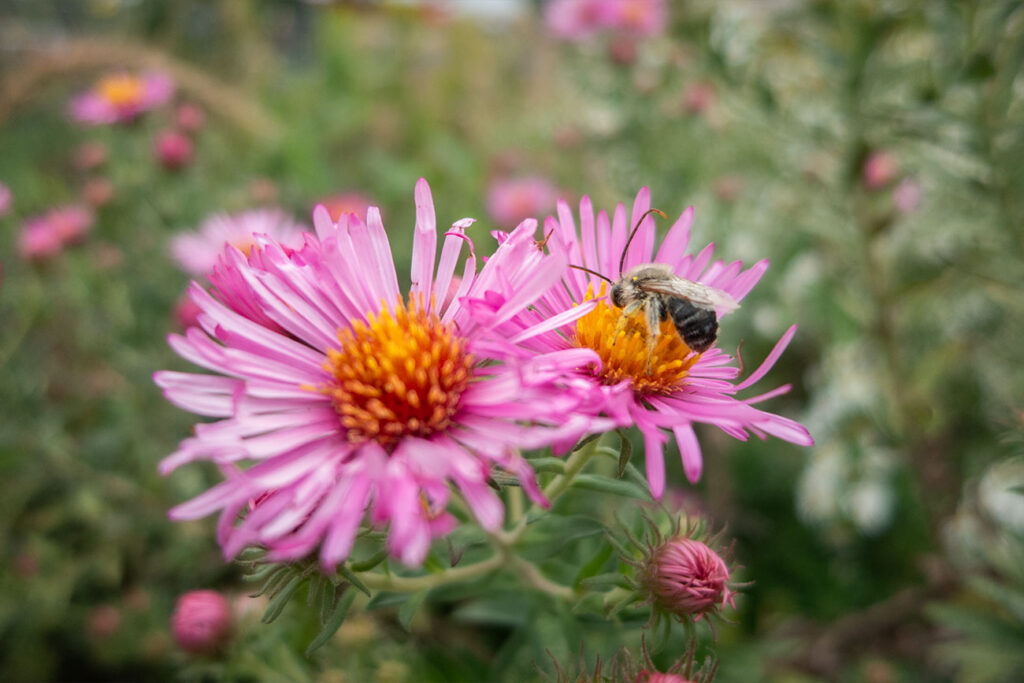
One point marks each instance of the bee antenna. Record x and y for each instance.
(592, 272)
(648, 212)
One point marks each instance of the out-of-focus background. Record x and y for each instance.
(872, 149)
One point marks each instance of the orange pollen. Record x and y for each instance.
(401, 374)
(625, 357)
(121, 90)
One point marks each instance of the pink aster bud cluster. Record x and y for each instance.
(45, 235)
(202, 622)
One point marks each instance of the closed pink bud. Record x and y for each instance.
(879, 170)
(686, 577)
(658, 677)
(173, 149)
(201, 622)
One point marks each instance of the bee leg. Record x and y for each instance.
(653, 315)
(620, 326)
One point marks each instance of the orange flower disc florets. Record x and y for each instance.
(401, 374)
(625, 356)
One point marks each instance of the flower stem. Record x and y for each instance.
(413, 584)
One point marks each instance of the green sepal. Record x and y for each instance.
(370, 562)
(333, 622)
(625, 451)
(354, 580)
(409, 608)
(276, 605)
(618, 487)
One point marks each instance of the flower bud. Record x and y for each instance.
(687, 578)
(201, 621)
(879, 170)
(658, 677)
(173, 149)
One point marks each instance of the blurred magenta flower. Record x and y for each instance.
(356, 397)
(90, 155)
(173, 149)
(97, 192)
(879, 170)
(510, 201)
(907, 196)
(341, 203)
(6, 200)
(202, 622)
(46, 234)
(678, 387)
(581, 19)
(686, 578)
(197, 252)
(121, 97)
(189, 117)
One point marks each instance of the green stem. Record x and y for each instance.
(531, 574)
(414, 584)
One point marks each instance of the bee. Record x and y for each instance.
(656, 290)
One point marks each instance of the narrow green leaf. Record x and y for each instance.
(260, 573)
(386, 599)
(370, 562)
(409, 608)
(333, 623)
(625, 453)
(316, 589)
(274, 581)
(555, 465)
(354, 580)
(618, 487)
(277, 605)
(584, 441)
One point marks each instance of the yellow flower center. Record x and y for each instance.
(625, 356)
(402, 374)
(121, 90)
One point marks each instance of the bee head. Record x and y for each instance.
(618, 295)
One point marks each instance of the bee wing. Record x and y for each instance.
(701, 295)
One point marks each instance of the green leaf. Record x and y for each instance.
(618, 487)
(274, 580)
(584, 441)
(333, 623)
(386, 599)
(354, 580)
(609, 580)
(409, 608)
(594, 565)
(625, 452)
(370, 562)
(276, 605)
(555, 465)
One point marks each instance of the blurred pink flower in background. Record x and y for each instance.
(907, 196)
(104, 622)
(511, 200)
(202, 622)
(121, 97)
(640, 18)
(97, 191)
(6, 200)
(355, 403)
(575, 19)
(879, 170)
(698, 97)
(89, 155)
(197, 252)
(189, 117)
(581, 19)
(44, 235)
(341, 203)
(173, 149)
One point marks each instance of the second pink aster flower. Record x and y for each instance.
(675, 387)
(197, 252)
(339, 395)
(121, 97)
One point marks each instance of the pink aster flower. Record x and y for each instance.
(47, 234)
(197, 252)
(340, 397)
(174, 150)
(673, 387)
(346, 202)
(512, 200)
(575, 19)
(121, 97)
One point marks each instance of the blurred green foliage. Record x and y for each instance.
(765, 116)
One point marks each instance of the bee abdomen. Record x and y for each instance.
(697, 326)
